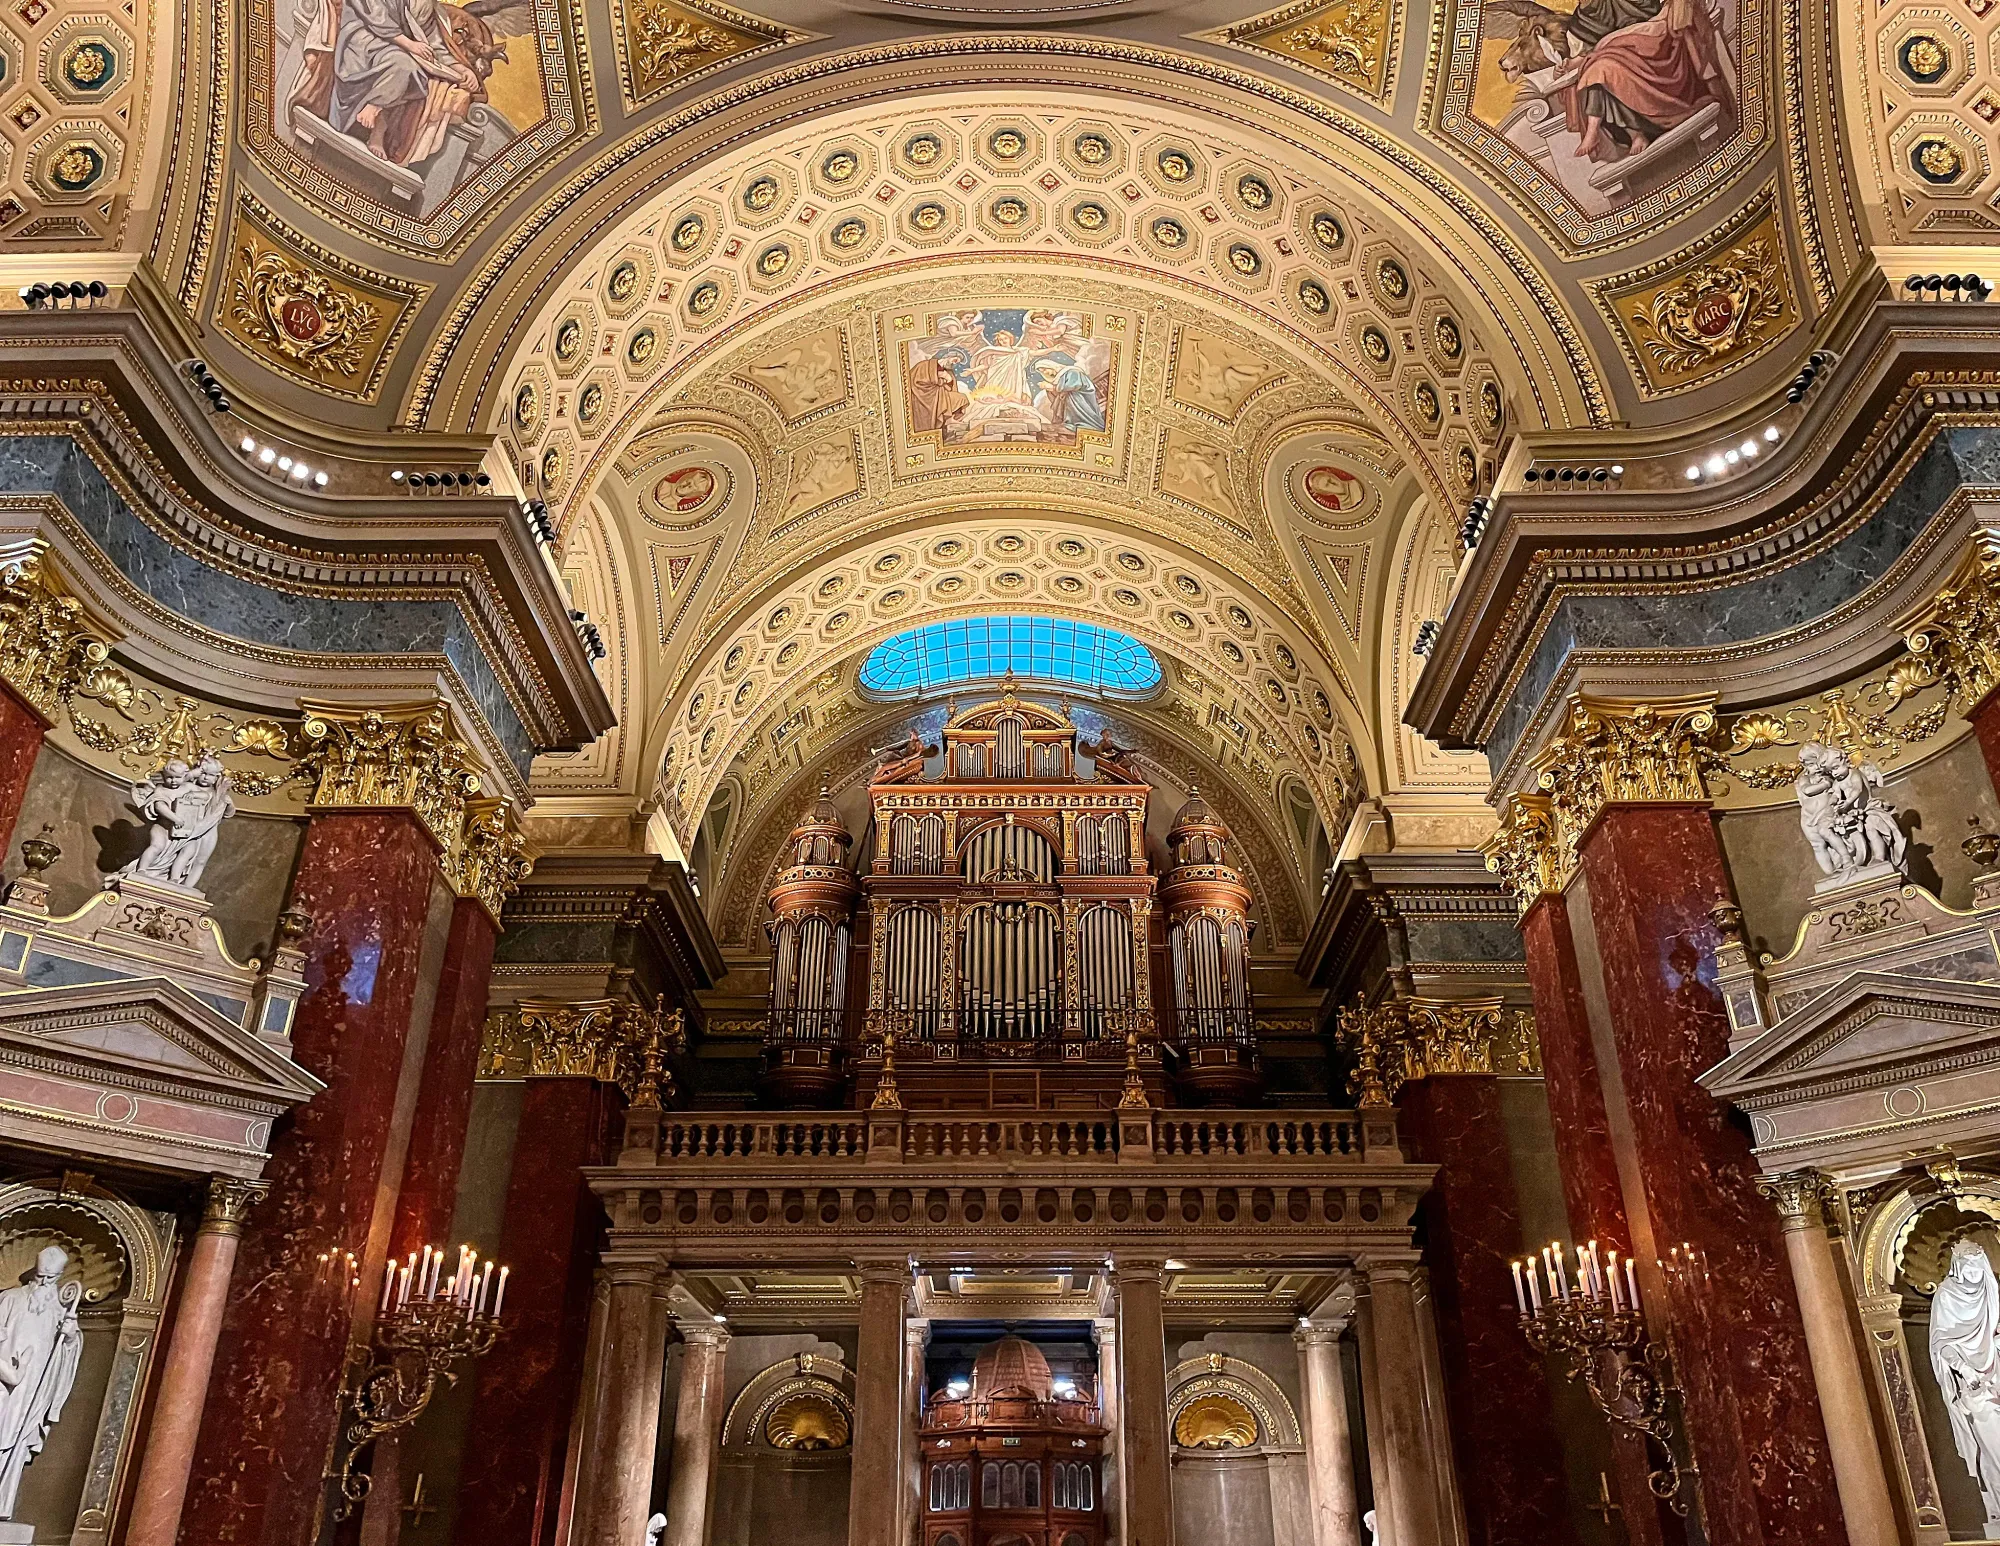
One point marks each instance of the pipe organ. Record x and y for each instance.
(1207, 910)
(1006, 931)
(812, 911)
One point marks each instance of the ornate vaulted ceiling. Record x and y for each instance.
(717, 281)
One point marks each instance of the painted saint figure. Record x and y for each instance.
(40, 1343)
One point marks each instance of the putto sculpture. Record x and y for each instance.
(184, 807)
(1850, 828)
(40, 1344)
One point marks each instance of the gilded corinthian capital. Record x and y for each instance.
(1527, 852)
(1617, 751)
(45, 644)
(409, 756)
(1959, 632)
(491, 859)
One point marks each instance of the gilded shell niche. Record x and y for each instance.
(809, 1422)
(1215, 1421)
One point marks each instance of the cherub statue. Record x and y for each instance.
(184, 808)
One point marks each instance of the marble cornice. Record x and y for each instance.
(1350, 935)
(641, 892)
(1767, 582)
(119, 397)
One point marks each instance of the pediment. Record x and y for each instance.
(1869, 1025)
(152, 1028)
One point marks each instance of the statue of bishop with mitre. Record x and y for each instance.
(40, 1343)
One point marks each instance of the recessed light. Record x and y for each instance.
(267, 456)
(1771, 434)
(1694, 474)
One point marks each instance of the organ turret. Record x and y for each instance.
(812, 909)
(1207, 910)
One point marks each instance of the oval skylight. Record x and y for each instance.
(1052, 650)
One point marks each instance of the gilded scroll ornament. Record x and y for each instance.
(303, 316)
(1349, 42)
(410, 757)
(1725, 305)
(667, 44)
(490, 860)
(1959, 634)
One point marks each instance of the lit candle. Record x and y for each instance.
(388, 1284)
(1534, 1287)
(500, 1294)
(403, 1288)
(1631, 1286)
(1520, 1294)
(1611, 1258)
(485, 1286)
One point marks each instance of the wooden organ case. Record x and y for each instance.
(1005, 930)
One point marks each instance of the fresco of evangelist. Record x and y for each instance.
(1009, 377)
(1612, 101)
(406, 101)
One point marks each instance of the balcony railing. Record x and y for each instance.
(1009, 1411)
(1253, 1137)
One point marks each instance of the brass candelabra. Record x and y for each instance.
(1596, 1328)
(425, 1327)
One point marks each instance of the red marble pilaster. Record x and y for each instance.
(1496, 1390)
(1985, 719)
(510, 1484)
(21, 732)
(429, 1193)
(1586, 1162)
(268, 1431)
(1753, 1416)
(1584, 1155)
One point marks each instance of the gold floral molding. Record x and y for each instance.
(1398, 1040)
(616, 1040)
(1865, 720)
(1351, 44)
(61, 668)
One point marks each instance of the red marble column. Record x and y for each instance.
(510, 1482)
(1585, 1160)
(429, 1193)
(21, 733)
(1496, 1388)
(1653, 872)
(366, 878)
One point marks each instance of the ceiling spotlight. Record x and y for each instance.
(300, 471)
(284, 464)
(1714, 466)
(1732, 457)
(320, 479)
(1617, 469)
(1176, 1266)
(1771, 434)
(1749, 448)
(396, 476)
(1694, 474)
(267, 456)
(249, 446)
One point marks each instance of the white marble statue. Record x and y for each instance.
(655, 1528)
(39, 1346)
(1965, 1355)
(184, 807)
(1368, 1524)
(1850, 829)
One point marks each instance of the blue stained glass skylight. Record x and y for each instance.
(980, 649)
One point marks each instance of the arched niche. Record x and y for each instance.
(787, 1445)
(119, 1258)
(1239, 1463)
(1903, 1241)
